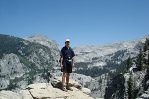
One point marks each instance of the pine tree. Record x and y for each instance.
(129, 63)
(130, 88)
(140, 60)
(146, 45)
(148, 64)
(145, 49)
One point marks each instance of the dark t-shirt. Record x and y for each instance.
(67, 52)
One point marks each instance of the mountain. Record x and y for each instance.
(134, 83)
(99, 55)
(26, 61)
(129, 85)
(45, 41)
(103, 62)
(23, 62)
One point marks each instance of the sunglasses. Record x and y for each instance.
(67, 42)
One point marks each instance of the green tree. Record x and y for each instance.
(146, 55)
(148, 64)
(130, 88)
(129, 63)
(140, 60)
(146, 45)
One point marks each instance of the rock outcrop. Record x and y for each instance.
(23, 94)
(10, 67)
(48, 91)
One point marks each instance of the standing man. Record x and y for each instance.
(66, 63)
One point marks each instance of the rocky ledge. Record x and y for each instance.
(48, 91)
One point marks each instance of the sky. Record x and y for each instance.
(84, 22)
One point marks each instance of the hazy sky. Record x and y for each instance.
(92, 22)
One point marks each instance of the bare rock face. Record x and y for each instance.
(93, 57)
(24, 94)
(10, 67)
(86, 91)
(23, 62)
(47, 91)
(43, 40)
(97, 55)
(11, 62)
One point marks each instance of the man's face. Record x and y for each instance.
(67, 43)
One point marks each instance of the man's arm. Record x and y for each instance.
(61, 62)
(73, 61)
(61, 58)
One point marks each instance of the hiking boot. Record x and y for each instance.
(63, 89)
(69, 88)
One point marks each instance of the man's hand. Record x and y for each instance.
(73, 65)
(72, 62)
(61, 65)
(61, 62)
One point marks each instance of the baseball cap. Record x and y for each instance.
(67, 40)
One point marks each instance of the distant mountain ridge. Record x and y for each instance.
(102, 53)
(102, 61)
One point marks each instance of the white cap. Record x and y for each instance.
(67, 40)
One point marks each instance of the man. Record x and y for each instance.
(66, 63)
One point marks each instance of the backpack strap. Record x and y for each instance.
(63, 50)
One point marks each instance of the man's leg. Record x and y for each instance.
(67, 82)
(63, 80)
(67, 78)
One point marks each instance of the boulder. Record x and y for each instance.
(25, 94)
(37, 86)
(47, 91)
(56, 82)
(9, 95)
(40, 91)
(86, 91)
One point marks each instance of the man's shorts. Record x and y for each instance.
(67, 68)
